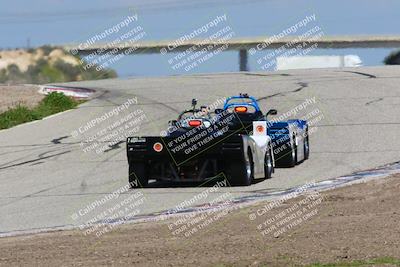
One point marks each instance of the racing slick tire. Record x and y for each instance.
(289, 159)
(241, 172)
(268, 165)
(138, 174)
(306, 146)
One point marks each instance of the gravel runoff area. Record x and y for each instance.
(357, 224)
(12, 95)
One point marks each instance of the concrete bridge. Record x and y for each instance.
(242, 45)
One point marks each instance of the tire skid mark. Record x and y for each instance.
(57, 141)
(266, 75)
(302, 86)
(374, 101)
(39, 158)
(361, 73)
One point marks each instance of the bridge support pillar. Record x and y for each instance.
(243, 60)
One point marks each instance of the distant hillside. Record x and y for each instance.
(45, 65)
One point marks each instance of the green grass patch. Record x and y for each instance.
(51, 104)
(359, 263)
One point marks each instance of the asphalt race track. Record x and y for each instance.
(46, 177)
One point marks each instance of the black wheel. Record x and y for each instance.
(268, 165)
(306, 147)
(240, 172)
(289, 158)
(138, 174)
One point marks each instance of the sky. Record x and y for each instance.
(40, 22)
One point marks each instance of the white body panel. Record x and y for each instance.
(258, 143)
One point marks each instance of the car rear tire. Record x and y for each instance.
(240, 172)
(306, 146)
(268, 165)
(138, 175)
(289, 159)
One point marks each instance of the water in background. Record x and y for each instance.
(27, 23)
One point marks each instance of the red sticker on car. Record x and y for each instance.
(158, 147)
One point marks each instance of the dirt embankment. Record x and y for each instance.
(359, 222)
(23, 58)
(13, 95)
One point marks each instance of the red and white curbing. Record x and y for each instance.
(68, 91)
